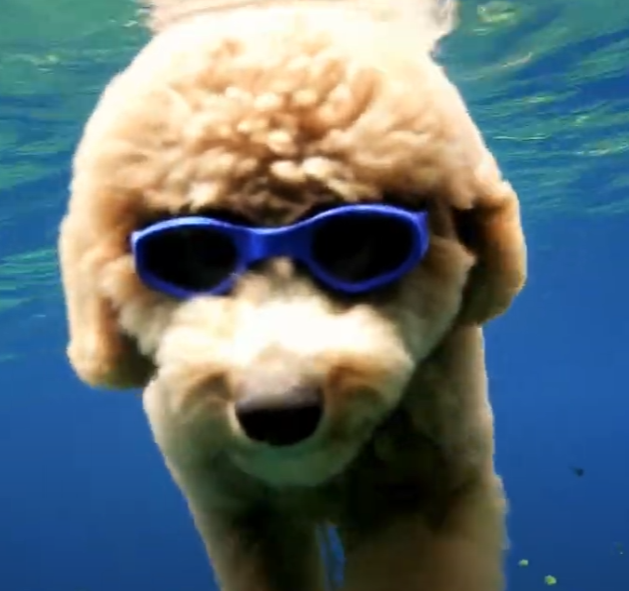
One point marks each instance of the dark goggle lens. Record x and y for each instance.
(357, 248)
(194, 259)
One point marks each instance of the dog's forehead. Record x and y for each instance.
(266, 200)
(267, 197)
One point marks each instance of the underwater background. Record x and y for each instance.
(85, 502)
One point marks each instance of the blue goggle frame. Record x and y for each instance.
(295, 241)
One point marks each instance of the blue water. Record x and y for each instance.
(85, 502)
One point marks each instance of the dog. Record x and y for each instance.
(286, 229)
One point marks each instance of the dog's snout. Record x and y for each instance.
(281, 419)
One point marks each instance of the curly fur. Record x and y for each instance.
(269, 110)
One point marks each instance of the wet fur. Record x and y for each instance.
(268, 113)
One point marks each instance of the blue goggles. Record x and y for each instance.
(351, 249)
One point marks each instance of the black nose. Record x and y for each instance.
(282, 419)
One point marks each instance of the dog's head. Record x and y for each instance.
(268, 115)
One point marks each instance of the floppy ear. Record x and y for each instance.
(100, 354)
(491, 229)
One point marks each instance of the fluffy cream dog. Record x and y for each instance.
(262, 114)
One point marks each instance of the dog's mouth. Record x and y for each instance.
(298, 466)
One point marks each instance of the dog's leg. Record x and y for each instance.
(464, 553)
(261, 551)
